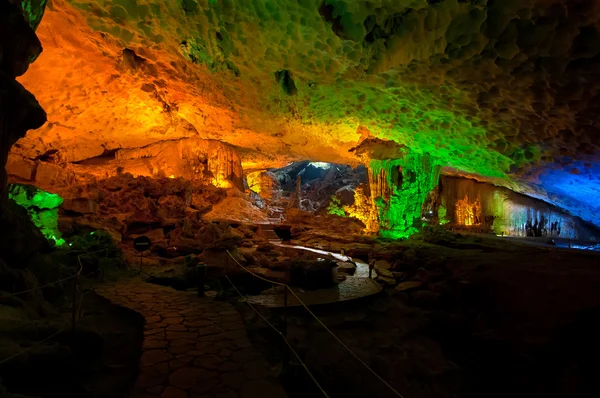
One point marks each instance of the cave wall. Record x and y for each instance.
(195, 159)
(19, 112)
(503, 89)
(471, 205)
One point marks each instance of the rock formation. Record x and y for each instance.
(19, 112)
(500, 91)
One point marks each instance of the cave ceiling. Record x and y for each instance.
(506, 91)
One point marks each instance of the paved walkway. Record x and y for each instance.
(193, 347)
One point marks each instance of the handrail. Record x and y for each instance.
(321, 323)
(78, 273)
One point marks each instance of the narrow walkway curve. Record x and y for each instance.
(193, 347)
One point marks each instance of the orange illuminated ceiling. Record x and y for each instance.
(487, 89)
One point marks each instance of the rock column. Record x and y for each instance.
(399, 188)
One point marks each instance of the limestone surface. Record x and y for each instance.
(505, 90)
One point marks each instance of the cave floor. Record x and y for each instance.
(193, 347)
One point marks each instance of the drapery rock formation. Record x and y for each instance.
(504, 91)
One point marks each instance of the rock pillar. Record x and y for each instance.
(399, 187)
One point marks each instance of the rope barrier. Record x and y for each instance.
(76, 275)
(29, 348)
(58, 281)
(324, 326)
(283, 337)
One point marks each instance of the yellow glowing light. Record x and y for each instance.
(171, 176)
(254, 181)
(220, 183)
(468, 213)
(363, 209)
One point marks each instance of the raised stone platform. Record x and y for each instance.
(352, 288)
(193, 347)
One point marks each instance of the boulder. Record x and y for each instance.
(382, 264)
(52, 175)
(346, 267)
(386, 280)
(384, 272)
(405, 286)
(81, 206)
(345, 195)
(399, 275)
(426, 299)
(155, 235)
(20, 168)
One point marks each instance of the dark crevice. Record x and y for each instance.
(326, 11)
(284, 78)
(50, 156)
(131, 59)
(104, 158)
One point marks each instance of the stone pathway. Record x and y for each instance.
(193, 347)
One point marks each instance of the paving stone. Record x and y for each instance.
(180, 349)
(205, 386)
(152, 357)
(234, 334)
(212, 337)
(154, 344)
(179, 342)
(207, 330)
(179, 328)
(199, 323)
(180, 362)
(156, 390)
(158, 370)
(233, 326)
(224, 393)
(225, 352)
(153, 331)
(233, 380)
(230, 367)
(172, 321)
(208, 362)
(181, 335)
(193, 347)
(145, 381)
(172, 392)
(186, 378)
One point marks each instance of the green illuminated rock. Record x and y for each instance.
(401, 186)
(33, 10)
(42, 207)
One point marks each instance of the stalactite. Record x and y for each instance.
(487, 208)
(399, 188)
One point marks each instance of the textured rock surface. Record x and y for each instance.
(19, 112)
(503, 90)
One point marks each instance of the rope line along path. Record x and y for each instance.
(76, 289)
(321, 323)
(283, 337)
